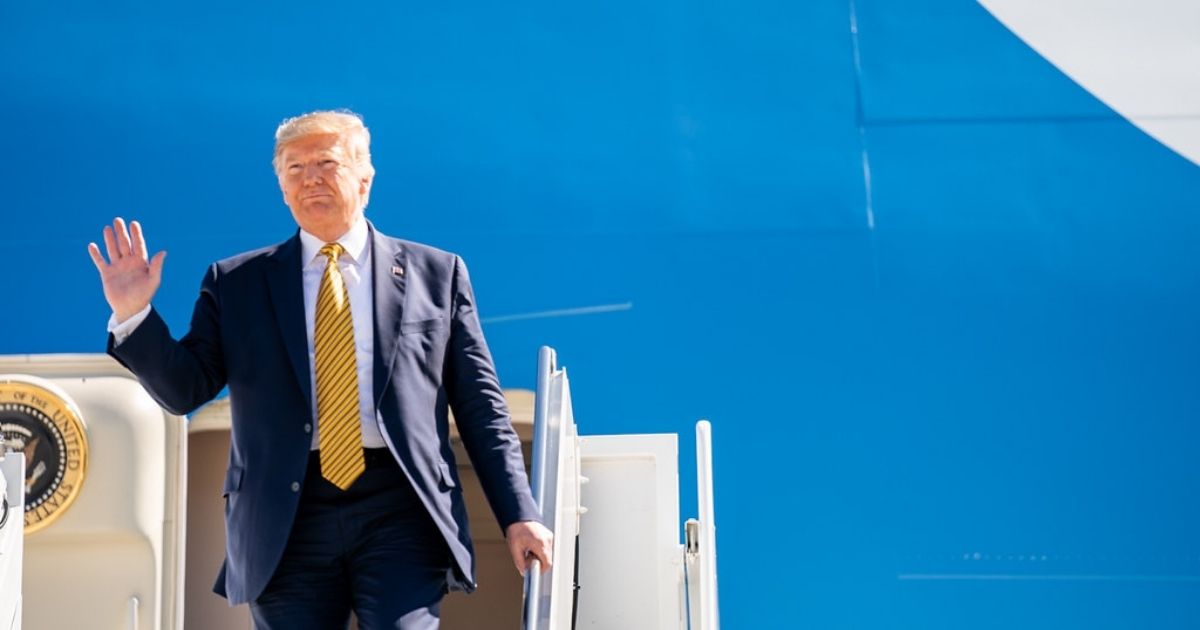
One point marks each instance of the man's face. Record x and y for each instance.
(322, 185)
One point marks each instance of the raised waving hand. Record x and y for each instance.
(130, 279)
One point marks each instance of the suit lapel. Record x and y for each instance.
(389, 277)
(286, 285)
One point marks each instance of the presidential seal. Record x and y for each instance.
(40, 421)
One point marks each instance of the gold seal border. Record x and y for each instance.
(65, 416)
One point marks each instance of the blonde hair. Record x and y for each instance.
(341, 122)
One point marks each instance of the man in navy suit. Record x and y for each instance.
(302, 550)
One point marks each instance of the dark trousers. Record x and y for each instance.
(372, 548)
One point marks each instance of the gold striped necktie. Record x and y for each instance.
(339, 434)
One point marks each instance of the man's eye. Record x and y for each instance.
(294, 169)
(329, 165)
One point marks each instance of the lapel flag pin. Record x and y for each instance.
(397, 271)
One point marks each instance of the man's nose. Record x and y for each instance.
(312, 174)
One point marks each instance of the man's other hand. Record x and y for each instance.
(129, 278)
(528, 540)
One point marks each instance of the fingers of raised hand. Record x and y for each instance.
(138, 240)
(97, 257)
(156, 265)
(121, 242)
(110, 244)
(122, 234)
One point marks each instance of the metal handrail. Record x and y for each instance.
(707, 534)
(541, 435)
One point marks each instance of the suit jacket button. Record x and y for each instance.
(295, 486)
(308, 427)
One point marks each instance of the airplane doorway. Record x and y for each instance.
(496, 604)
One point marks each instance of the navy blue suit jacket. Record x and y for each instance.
(248, 332)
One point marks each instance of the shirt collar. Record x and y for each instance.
(354, 242)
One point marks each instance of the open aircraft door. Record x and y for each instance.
(105, 496)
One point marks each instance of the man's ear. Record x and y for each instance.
(364, 182)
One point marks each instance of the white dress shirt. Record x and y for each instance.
(355, 265)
